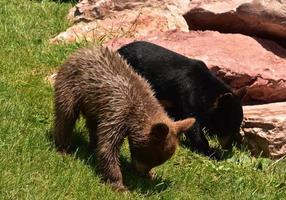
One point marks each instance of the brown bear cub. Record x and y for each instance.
(116, 103)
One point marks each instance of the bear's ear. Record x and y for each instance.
(241, 92)
(160, 130)
(184, 125)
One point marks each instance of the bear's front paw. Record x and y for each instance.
(65, 151)
(118, 187)
(151, 174)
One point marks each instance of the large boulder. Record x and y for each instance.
(251, 17)
(101, 20)
(239, 60)
(264, 129)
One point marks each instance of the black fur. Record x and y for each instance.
(189, 89)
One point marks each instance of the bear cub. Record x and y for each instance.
(186, 88)
(116, 103)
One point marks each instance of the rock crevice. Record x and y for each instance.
(264, 19)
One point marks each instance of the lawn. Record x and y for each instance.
(30, 168)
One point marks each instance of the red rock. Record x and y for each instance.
(88, 10)
(238, 59)
(105, 19)
(264, 129)
(260, 18)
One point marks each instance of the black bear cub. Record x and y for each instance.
(117, 103)
(186, 88)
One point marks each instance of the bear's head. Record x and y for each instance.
(159, 145)
(225, 118)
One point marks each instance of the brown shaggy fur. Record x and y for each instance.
(116, 103)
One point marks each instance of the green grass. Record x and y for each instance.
(30, 168)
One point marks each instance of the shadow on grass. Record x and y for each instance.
(142, 184)
(217, 154)
(131, 179)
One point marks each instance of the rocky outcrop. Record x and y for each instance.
(95, 20)
(239, 60)
(101, 20)
(264, 129)
(251, 17)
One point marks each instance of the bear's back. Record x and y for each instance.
(172, 75)
(105, 84)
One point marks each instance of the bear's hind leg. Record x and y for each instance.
(65, 119)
